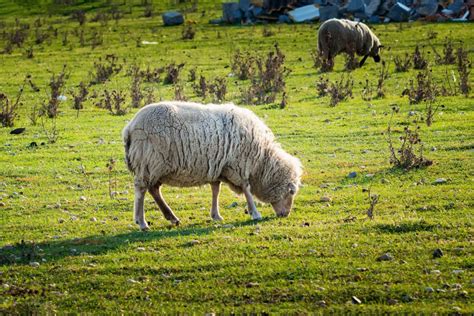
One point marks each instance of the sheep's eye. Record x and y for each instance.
(292, 191)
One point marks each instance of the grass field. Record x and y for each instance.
(66, 246)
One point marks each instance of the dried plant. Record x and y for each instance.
(367, 91)
(188, 32)
(425, 89)
(103, 71)
(150, 95)
(179, 92)
(340, 90)
(383, 75)
(284, 101)
(267, 32)
(402, 64)
(56, 86)
(322, 86)
(430, 111)
(419, 60)
(192, 75)
(448, 57)
(50, 130)
(79, 16)
(268, 80)
(351, 61)
(136, 90)
(40, 36)
(373, 200)
(406, 156)
(113, 102)
(96, 39)
(29, 52)
(9, 108)
(242, 64)
(148, 11)
(201, 89)
(463, 66)
(218, 89)
(79, 97)
(112, 182)
(172, 73)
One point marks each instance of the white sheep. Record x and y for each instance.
(189, 144)
(338, 35)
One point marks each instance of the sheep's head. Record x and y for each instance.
(282, 183)
(283, 206)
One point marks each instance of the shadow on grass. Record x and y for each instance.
(408, 227)
(26, 252)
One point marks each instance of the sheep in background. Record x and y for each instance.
(188, 144)
(336, 36)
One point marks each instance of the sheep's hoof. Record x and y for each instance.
(175, 222)
(256, 216)
(145, 228)
(217, 218)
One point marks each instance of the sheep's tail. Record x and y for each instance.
(127, 143)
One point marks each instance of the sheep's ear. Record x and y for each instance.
(363, 60)
(381, 46)
(291, 188)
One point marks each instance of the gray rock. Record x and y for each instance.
(429, 289)
(440, 181)
(325, 199)
(437, 253)
(407, 298)
(34, 264)
(385, 257)
(352, 175)
(172, 18)
(321, 303)
(399, 13)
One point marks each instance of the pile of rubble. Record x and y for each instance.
(371, 11)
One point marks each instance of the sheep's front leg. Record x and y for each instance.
(155, 191)
(215, 187)
(139, 207)
(251, 205)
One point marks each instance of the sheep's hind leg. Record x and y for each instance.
(139, 212)
(251, 205)
(215, 187)
(155, 192)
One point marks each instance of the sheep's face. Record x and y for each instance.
(283, 206)
(375, 53)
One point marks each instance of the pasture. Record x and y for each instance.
(68, 243)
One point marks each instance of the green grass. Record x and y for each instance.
(276, 265)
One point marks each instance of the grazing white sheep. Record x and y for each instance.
(188, 144)
(338, 35)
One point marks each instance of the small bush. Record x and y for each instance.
(56, 86)
(218, 89)
(79, 97)
(9, 109)
(424, 90)
(367, 91)
(320, 63)
(463, 66)
(448, 57)
(340, 90)
(179, 92)
(268, 80)
(243, 65)
(201, 89)
(79, 16)
(188, 32)
(103, 71)
(136, 91)
(419, 60)
(352, 62)
(410, 153)
(402, 64)
(172, 73)
(113, 102)
(322, 86)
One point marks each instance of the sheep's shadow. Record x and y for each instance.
(26, 252)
